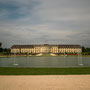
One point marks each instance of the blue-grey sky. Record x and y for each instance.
(37, 21)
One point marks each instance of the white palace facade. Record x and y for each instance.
(46, 48)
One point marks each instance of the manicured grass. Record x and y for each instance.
(44, 71)
(5, 56)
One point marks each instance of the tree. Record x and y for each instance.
(88, 49)
(0, 47)
(0, 44)
(83, 49)
(7, 50)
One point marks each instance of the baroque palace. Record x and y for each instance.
(46, 48)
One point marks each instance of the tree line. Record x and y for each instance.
(85, 51)
(4, 50)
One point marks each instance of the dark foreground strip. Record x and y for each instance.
(44, 71)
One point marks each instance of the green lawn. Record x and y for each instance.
(44, 71)
(5, 56)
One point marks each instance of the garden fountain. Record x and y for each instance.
(80, 59)
(14, 62)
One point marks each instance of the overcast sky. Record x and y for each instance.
(45, 21)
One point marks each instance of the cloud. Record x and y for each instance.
(35, 21)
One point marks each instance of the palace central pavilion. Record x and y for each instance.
(46, 48)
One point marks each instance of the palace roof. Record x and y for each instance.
(59, 46)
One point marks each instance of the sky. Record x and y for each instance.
(44, 21)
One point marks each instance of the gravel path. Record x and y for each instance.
(45, 82)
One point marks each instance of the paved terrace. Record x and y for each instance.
(45, 82)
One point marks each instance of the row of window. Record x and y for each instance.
(50, 49)
(43, 50)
